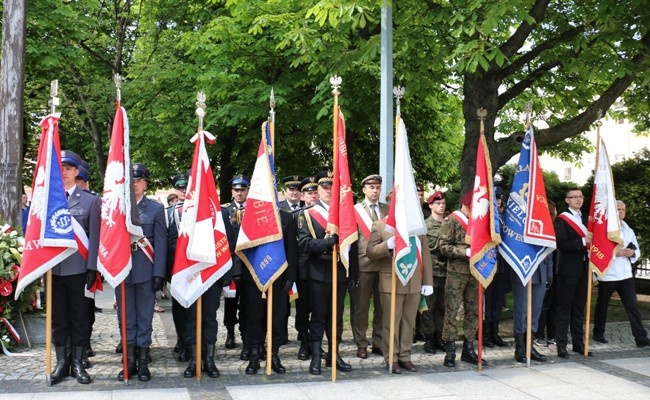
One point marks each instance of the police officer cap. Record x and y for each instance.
(324, 178)
(71, 158)
(437, 195)
(84, 171)
(467, 199)
(376, 179)
(140, 171)
(292, 181)
(308, 184)
(240, 182)
(180, 181)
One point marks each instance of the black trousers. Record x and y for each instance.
(571, 299)
(320, 303)
(627, 292)
(70, 315)
(179, 314)
(302, 306)
(546, 324)
(210, 304)
(495, 297)
(256, 315)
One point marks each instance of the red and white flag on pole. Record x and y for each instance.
(604, 231)
(202, 252)
(342, 220)
(50, 236)
(118, 230)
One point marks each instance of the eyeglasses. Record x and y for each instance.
(575, 197)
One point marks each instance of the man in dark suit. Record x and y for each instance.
(367, 212)
(71, 310)
(291, 193)
(234, 212)
(571, 234)
(147, 276)
(313, 240)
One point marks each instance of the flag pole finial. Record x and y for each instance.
(529, 112)
(200, 108)
(336, 81)
(272, 106)
(481, 113)
(398, 92)
(54, 92)
(117, 78)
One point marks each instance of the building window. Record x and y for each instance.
(567, 173)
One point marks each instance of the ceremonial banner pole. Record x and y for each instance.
(335, 81)
(481, 113)
(589, 273)
(118, 103)
(54, 101)
(529, 287)
(269, 292)
(200, 113)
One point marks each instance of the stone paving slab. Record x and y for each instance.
(637, 365)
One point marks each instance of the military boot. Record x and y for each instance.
(520, 348)
(498, 341)
(439, 343)
(190, 371)
(315, 364)
(487, 334)
(78, 370)
(429, 345)
(276, 364)
(62, 367)
(450, 356)
(130, 363)
(230, 337)
(144, 374)
(303, 352)
(254, 361)
(208, 362)
(469, 355)
(185, 349)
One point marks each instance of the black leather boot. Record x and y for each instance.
(144, 374)
(315, 364)
(498, 341)
(340, 364)
(520, 348)
(190, 371)
(62, 367)
(487, 334)
(85, 361)
(303, 352)
(78, 370)
(130, 363)
(536, 355)
(429, 345)
(439, 343)
(118, 348)
(185, 351)
(230, 337)
(89, 351)
(469, 355)
(254, 361)
(276, 364)
(208, 362)
(245, 354)
(450, 356)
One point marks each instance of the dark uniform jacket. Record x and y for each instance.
(572, 252)
(154, 228)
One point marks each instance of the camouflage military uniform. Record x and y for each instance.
(432, 320)
(461, 287)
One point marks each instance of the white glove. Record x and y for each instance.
(427, 290)
(391, 243)
(467, 252)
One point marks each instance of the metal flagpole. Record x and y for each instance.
(200, 112)
(269, 292)
(54, 101)
(335, 81)
(118, 103)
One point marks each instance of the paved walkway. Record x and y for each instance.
(618, 369)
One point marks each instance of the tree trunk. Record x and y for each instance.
(12, 73)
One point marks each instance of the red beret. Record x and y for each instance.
(467, 199)
(438, 195)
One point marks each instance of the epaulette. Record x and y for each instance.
(91, 192)
(225, 205)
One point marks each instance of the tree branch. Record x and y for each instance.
(517, 40)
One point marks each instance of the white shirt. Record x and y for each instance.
(373, 205)
(621, 267)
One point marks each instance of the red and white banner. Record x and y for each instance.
(202, 252)
(118, 229)
(49, 236)
(341, 220)
(604, 231)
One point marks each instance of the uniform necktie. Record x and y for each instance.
(294, 206)
(373, 213)
(67, 194)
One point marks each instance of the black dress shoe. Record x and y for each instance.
(378, 351)
(601, 339)
(562, 352)
(536, 355)
(340, 364)
(643, 342)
